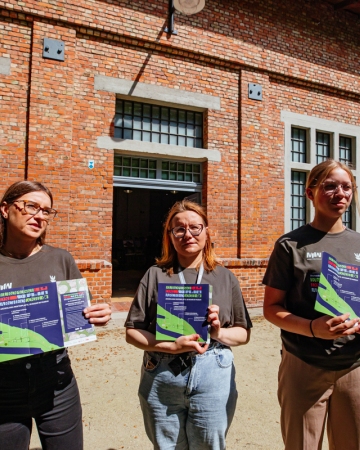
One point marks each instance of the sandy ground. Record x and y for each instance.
(108, 374)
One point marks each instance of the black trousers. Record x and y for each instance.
(45, 389)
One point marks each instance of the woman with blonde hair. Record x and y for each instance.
(319, 374)
(193, 408)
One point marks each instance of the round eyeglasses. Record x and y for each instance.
(179, 232)
(34, 208)
(330, 188)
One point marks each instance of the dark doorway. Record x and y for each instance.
(138, 217)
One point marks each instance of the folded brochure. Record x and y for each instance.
(339, 288)
(43, 317)
(182, 310)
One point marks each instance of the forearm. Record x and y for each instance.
(146, 341)
(287, 321)
(233, 336)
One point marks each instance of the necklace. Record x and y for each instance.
(20, 255)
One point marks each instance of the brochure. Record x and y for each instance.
(339, 288)
(43, 317)
(182, 310)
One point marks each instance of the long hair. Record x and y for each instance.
(168, 257)
(321, 171)
(16, 191)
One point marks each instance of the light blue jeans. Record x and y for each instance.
(193, 410)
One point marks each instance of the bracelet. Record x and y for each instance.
(311, 321)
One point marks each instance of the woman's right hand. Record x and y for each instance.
(189, 344)
(327, 327)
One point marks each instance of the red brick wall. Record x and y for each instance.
(302, 54)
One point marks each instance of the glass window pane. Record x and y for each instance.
(190, 142)
(146, 110)
(143, 173)
(118, 160)
(128, 108)
(146, 136)
(146, 124)
(173, 140)
(118, 121)
(137, 109)
(126, 172)
(135, 173)
(173, 175)
(173, 127)
(144, 163)
(118, 132)
(182, 116)
(173, 166)
(152, 164)
(182, 140)
(165, 165)
(164, 139)
(164, 113)
(128, 123)
(135, 162)
(128, 134)
(196, 178)
(117, 171)
(155, 137)
(173, 115)
(119, 106)
(155, 125)
(190, 117)
(152, 174)
(137, 135)
(137, 123)
(156, 112)
(126, 162)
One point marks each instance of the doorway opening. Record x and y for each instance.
(138, 217)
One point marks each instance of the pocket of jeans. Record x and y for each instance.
(64, 374)
(225, 358)
(150, 363)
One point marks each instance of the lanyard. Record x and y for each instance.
(199, 276)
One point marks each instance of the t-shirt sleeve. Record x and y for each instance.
(142, 308)
(280, 270)
(240, 313)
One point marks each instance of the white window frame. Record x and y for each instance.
(312, 125)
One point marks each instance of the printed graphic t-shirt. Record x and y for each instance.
(294, 267)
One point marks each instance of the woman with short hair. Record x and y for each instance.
(191, 408)
(40, 386)
(319, 374)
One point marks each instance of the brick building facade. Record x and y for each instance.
(64, 122)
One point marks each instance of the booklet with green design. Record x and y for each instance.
(43, 317)
(339, 288)
(182, 310)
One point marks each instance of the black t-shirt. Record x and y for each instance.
(48, 264)
(294, 267)
(226, 294)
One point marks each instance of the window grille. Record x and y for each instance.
(298, 145)
(322, 147)
(298, 201)
(159, 124)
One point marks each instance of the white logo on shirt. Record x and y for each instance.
(53, 278)
(5, 286)
(357, 256)
(313, 255)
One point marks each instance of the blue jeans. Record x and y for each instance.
(193, 410)
(44, 389)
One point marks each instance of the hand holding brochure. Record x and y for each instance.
(44, 317)
(182, 310)
(339, 288)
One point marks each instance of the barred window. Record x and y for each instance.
(298, 200)
(298, 145)
(160, 124)
(322, 146)
(147, 168)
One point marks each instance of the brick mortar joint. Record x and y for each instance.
(246, 262)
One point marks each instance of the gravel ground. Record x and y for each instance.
(108, 374)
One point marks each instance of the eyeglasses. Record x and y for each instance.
(34, 208)
(179, 232)
(330, 188)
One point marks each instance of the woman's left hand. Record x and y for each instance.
(213, 319)
(98, 314)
